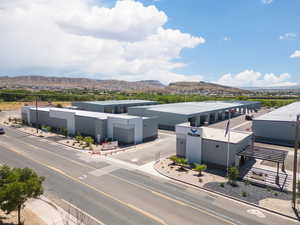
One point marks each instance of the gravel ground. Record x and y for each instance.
(254, 194)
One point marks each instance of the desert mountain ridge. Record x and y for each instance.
(59, 83)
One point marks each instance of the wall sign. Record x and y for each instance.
(194, 131)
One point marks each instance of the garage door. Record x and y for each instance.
(124, 135)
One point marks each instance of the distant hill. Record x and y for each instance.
(43, 82)
(59, 83)
(274, 89)
(203, 87)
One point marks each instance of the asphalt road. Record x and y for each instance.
(118, 194)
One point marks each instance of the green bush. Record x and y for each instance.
(78, 138)
(233, 175)
(89, 141)
(64, 132)
(174, 159)
(244, 194)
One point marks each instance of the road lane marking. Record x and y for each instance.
(143, 212)
(58, 155)
(227, 220)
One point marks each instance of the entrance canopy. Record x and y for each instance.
(272, 155)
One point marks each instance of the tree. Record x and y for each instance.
(182, 162)
(59, 105)
(89, 141)
(233, 174)
(174, 159)
(199, 168)
(16, 187)
(64, 131)
(78, 138)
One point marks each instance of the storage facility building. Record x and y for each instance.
(111, 106)
(123, 128)
(278, 126)
(210, 146)
(197, 113)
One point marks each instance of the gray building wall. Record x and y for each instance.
(275, 132)
(137, 111)
(166, 120)
(150, 126)
(44, 119)
(124, 135)
(88, 106)
(24, 117)
(117, 108)
(215, 152)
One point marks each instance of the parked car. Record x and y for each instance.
(248, 117)
(2, 130)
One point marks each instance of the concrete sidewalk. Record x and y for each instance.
(50, 213)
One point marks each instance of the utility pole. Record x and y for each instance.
(36, 114)
(295, 161)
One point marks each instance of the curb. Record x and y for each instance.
(226, 196)
(75, 148)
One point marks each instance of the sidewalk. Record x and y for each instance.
(50, 213)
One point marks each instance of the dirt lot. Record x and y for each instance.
(5, 106)
(28, 217)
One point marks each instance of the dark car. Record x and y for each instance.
(2, 130)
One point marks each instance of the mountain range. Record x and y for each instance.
(60, 83)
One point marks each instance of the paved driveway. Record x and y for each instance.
(141, 154)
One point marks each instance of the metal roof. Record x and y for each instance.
(285, 113)
(190, 108)
(121, 102)
(272, 155)
(98, 115)
(219, 135)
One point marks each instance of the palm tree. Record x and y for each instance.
(174, 159)
(182, 162)
(233, 175)
(199, 168)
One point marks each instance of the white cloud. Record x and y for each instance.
(296, 54)
(267, 1)
(251, 78)
(128, 41)
(288, 36)
(227, 38)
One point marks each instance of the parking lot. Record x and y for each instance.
(240, 123)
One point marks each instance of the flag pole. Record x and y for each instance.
(228, 141)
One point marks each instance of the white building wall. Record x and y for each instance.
(194, 149)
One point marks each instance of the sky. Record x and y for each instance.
(242, 43)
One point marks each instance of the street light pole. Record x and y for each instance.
(295, 161)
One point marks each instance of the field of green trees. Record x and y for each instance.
(82, 95)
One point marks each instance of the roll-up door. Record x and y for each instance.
(124, 135)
